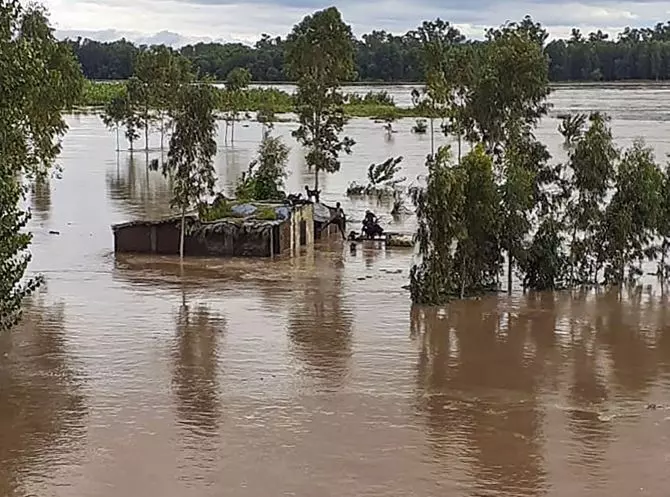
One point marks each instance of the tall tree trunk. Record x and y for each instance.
(146, 134)
(463, 278)
(572, 257)
(510, 267)
(118, 146)
(181, 234)
(432, 138)
(316, 179)
(162, 134)
(232, 131)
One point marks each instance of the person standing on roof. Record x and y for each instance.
(339, 219)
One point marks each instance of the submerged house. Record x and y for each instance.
(249, 233)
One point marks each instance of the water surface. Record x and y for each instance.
(314, 376)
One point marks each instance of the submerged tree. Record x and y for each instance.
(631, 217)
(320, 56)
(190, 162)
(591, 168)
(663, 226)
(237, 81)
(264, 179)
(458, 229)
(116, 114)
(40, 78)
(432, 279)
(141, 115)
(159, 72)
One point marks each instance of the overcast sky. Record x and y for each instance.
(177, 22)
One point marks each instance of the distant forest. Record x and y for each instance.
(635, 54)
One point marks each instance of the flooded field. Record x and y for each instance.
(131, 376)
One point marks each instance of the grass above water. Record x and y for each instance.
(98, 94)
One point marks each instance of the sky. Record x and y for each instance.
(178, 22)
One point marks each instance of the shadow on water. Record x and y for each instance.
(42, 412)
(195, 368)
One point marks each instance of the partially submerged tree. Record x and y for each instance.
(458, 229)
(266, 117)
(190, 163)
(320, 56)
(159, 72)
(237, 81)
(39, 78)
(139, 99)
(591, 170)
(116, 114)
(632, 215)
(264, 180)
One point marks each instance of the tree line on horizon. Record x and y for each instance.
(380, 56)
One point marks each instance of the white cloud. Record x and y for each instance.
(182, 21)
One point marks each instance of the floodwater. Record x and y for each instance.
(314, 376)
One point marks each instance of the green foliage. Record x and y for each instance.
(632, 215)
(384, 173)
(219, 208)
(544, 263)
(591, 168)
(39, 79)
(571, 128)
(635, 53)
(190, 164)
(264, 179)
(319, 56)
(266, 213)
(457, 230)
(433, 280)
(663, 226)
(238, 79)
(382, 98)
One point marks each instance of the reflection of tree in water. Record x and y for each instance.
(623, 330)
(42, 409)
(477, 384)
(195, 368)
(320, 324)
(139, 192)
(477, 348)
(40, 198)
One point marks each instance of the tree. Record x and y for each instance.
(525, 176)
(190, 161)
(319, 56)
(264, 179)
(116, 113)
(458, 229)
(140, 115)
(501, 101)
(663, 226)
(159, 73)
(631, 217)
(591, 169)
(236, 82)
(433, 279)
(39, 78)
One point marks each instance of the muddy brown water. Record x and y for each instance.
(314, 376)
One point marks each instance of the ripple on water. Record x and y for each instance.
(314, 376)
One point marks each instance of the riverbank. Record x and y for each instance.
(374, 104)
